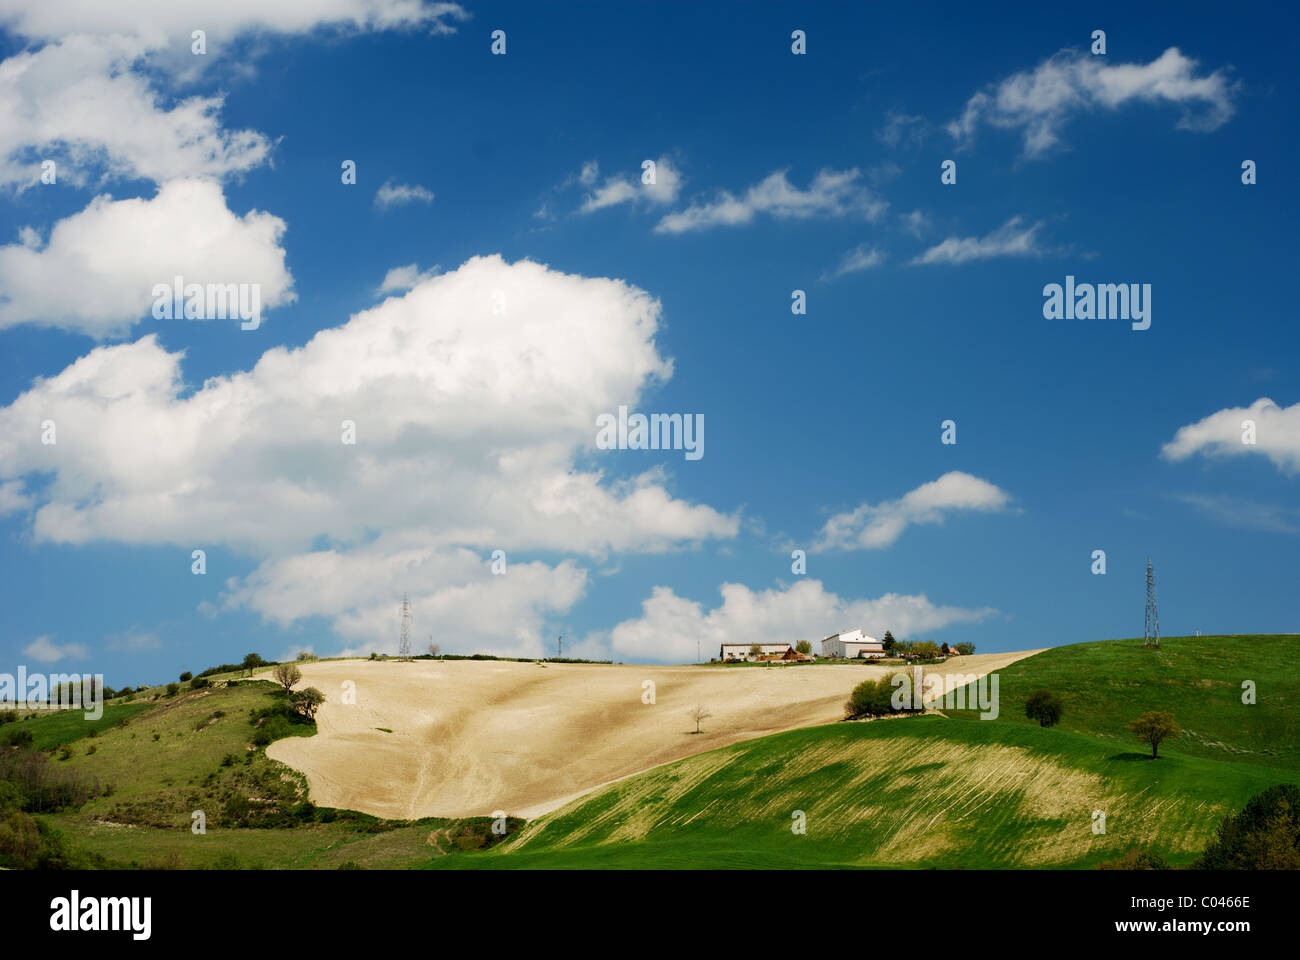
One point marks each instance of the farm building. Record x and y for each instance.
(740, 651)
(852, 644)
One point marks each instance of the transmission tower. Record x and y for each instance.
(1151, 633)
(404, 639)
(559, 648)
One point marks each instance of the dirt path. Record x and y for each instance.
(473, 737)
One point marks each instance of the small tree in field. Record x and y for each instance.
(1043, 706)
(286, 675)
(1154, 727)
(307, 701)
(699, 715)
(252, 662)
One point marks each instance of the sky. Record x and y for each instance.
(824, 256)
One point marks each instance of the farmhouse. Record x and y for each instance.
(852, 644)
(740, 651)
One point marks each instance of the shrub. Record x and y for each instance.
(173, 689)
(16, 737)
(1043, 706)
(286, 675)
(185, 677)
(65, 753)
(198, 683)
(1136, 860)
(870, 698)
(307, 701)
(91, 749)
(1264, 835)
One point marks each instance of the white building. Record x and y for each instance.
(740, 651)
(852, 644)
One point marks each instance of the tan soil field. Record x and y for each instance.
(471, 737)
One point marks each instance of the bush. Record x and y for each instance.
(1043, 706)
(185, 677)
(8, 716)
(198, 683)
(870, 698)
(65, 753)
(16, 737)
(173, 689)
(1136, 860)
(1264, 835)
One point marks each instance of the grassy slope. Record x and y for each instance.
(1198, 679)
(156, 784)
(964, 792)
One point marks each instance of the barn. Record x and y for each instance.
(852, 644)
(740, 651)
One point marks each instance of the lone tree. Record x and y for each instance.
(888, 642)
(1154, 727)
(252, 662)
(286, 675)
(1043, 706)
(1265, 835)
(307, 701)
(699, 715)
(804, 647)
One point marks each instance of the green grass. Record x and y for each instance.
(155, 785)
(68, 726)
(1198, 679)
(916, 792)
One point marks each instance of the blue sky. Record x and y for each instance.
(477, 431)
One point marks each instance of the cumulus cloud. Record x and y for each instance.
(620, 189)
(832, 193)
(902, 128)
(670, 626)
(13, 498)
(860, 258)
(46, 650)
(1012, 239)
(1039, 102)
(872, 527)
(471, 396)
(96, 273)
(399, 194)
(81, 103)
(1277, 435)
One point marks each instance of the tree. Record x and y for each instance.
(944, 648)
(888, 642)
(434, 650)
(252, 662)
(755, 650)
(186, 676)
(1154, 727)
(286, 675)
(870, 698)
(804, 647)
(1265, 835)
(1043, 706)
(965, 649)
(307, 701)
(699, 715)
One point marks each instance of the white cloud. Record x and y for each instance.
(80, 103)
(619, 189)
(168, 19)
(1012, 239)
(1277, 435)
(12, 498)
(916, 223)
(404, 278)
(900, 128)
(670, 626)
(117, 250)
(135, 640)
(1038, 102)
(398, 194)
(871, 527)
(1246, 514)
(856, 260)
(468, 421)
(832, 193)
(46, 650)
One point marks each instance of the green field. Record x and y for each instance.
(946, 791)
(162, 760)
(963, 792)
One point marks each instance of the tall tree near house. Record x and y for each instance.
(699, 715)
(755, 650)
(888, 642)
